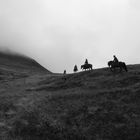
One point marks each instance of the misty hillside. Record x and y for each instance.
(16, 63)
(89, 105)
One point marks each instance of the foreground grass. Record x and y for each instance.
(96, 105)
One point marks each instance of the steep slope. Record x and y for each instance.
(14, 64)
(91, 105)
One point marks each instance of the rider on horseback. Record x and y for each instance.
(86, 66)
(75, 68)
(86, 62)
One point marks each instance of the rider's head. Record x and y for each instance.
(114, 56)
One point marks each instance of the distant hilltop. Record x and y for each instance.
(20, 63)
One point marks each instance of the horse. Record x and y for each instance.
(112, 65)
(86, 66)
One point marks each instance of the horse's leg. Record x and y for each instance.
(125, 67)
(111, 69)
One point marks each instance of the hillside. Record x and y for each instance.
(20, 63)
(15, 65)
(91, 105)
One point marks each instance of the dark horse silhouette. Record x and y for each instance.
(112, 65)
(75, 68)
(86, 66)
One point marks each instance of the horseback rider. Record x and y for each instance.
(64, 72)
(86, 62)
(75, 68)
(116, 61)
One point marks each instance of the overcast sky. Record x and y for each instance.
(62, 33)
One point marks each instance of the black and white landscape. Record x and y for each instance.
(69, 70)
(36, 104)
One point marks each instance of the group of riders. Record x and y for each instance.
(115, 63)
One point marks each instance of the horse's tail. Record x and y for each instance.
(124, 66)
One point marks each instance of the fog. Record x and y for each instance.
(61, 33)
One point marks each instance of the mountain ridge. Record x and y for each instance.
(20, 63)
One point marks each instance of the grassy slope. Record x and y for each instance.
(16, 64)
(92, 105)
